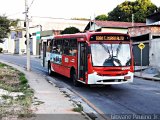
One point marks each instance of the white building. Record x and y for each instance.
(15, 43)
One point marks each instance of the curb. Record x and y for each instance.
(97, 114)
(148, 78)
(21, 69)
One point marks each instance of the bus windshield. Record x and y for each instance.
(112, 54)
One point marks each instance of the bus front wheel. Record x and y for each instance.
(74, 78)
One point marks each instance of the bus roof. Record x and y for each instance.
(87, 34)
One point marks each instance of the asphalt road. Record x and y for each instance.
(139, 97)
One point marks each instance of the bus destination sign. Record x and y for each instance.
(109, 37)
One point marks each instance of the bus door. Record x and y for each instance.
(44, 53)
(82, 60)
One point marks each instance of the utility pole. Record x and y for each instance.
(27, 35)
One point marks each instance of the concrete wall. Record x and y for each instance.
(22, 46)
(11, 45)
(58, 24)
(138, 31)
(119, 30)
(154, 53)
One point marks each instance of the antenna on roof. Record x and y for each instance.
(94, 21)
(90, 23)
(132, 19)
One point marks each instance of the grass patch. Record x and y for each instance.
(2, 65)
(7, 97)
(23, 79)
(79, 108)
(13, 80)
(38, 102)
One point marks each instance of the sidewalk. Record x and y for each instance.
(146, 76)
(53, 104)
(147, 73)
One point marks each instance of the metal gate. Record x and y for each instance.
(16, 50)
(137, 54)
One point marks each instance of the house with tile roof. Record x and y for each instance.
(149, 35)
(38, 27)
(110, 26)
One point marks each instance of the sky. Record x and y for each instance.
(60, 8)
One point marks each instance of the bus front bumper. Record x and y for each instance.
(96, 79)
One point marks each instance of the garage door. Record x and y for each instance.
(137, 55)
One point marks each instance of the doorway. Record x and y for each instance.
(82, 60)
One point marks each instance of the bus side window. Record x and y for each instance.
(57, 47)
(54, 48)
(59, 50)
(49, 45)
(66, 47)
(73, 47)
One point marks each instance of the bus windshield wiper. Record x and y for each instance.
(106, 49)
(118, 48)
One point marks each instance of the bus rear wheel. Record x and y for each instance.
(49, 69)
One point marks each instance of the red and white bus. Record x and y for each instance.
(92, 57)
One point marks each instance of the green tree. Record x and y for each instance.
(5, 25)
(101, 17)
(14, 23)
(70, 30)
(140, 8)
(4, 28)
(80, 19)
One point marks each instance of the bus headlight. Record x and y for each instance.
(95, 73)
(125, 68)
(127, 77)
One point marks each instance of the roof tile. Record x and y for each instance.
(117, 24)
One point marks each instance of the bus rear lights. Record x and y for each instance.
(127, 77)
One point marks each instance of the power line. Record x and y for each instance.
(31, 4)
(58, 18)
(51, 17)
(14, 14)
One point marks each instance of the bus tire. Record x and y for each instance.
(74, 78)
(49, 69)
(108, 86)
